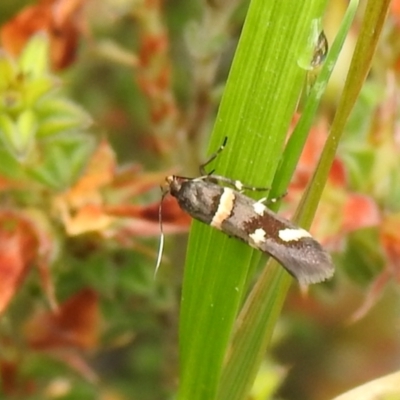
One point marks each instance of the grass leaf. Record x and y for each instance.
(260, 98)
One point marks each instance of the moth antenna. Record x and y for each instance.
(161, 245)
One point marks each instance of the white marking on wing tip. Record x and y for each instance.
(316, 278)
(293, 234)
(226, 203)
(259, 207)
(258, 236)
(239, 186)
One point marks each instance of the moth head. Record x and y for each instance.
(174, 184)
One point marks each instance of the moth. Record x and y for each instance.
(229, 210)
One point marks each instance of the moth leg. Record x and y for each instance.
(212, 158)
(238, 185)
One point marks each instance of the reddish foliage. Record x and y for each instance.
(171, 212)
(310, 156)
(59, 18)
(154, 75)
(18, 249)
(75, 324)
(390, 238)
(66, 333)
(152, 44)
(395, 9)
(360, 212)
(337, 175)
(24, 242)
(12, 383)
(84, 208)
(8, 376)
(342, 211)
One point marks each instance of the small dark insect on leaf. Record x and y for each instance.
(229, 210)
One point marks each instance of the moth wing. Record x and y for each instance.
(306, 260)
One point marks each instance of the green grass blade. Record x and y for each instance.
(257, 320)
(372, 24)
(299, 136)
(255, 113)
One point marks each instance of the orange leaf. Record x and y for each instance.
(390, 237)
(360, 211)
(18, 248)
(395, 9)
(75, 324)
(59, 18)
(98, 173)
(80, 208)
(84, 208)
